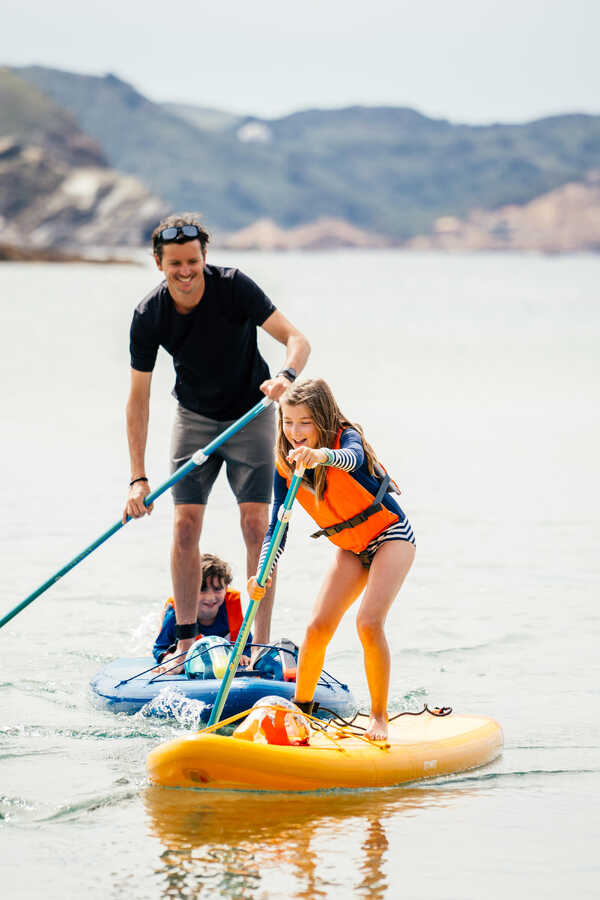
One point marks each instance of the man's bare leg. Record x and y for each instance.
(185, 572)
(254, 520)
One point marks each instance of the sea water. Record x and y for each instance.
(476, 379)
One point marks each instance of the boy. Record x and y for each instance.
(219, 610)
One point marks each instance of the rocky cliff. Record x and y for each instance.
(323, 234)
(565, 220)
(56, 187)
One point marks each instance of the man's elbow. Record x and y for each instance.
(301, 343)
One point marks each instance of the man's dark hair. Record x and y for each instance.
(176, 221)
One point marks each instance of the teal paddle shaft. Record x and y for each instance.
(262, 578)
(197, 459)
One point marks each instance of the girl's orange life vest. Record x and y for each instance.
(233, 608)
(344, 498)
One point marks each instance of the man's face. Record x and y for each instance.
(183, 268)
(210, 599)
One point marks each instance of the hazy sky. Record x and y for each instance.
(466, 60)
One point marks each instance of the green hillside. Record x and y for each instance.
(28, 115)
(188, 167)
(390, 170)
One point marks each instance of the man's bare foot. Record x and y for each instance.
(377, 729)
(170, 664)
(173, 663)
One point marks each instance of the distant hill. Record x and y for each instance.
(29, 115)
(564, 220)
(190, 168)
(56, 187)
(387, 170)
(204, 117)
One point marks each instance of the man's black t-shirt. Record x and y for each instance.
(214, 348)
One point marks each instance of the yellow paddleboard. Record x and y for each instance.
(418, 747)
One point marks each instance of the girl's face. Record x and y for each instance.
(298, 425)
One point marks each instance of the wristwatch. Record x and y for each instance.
(290, 374)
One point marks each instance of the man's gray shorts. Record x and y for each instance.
(248, 456)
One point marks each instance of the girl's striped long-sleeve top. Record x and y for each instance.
(350, 458)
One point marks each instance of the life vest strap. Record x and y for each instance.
(360, 517)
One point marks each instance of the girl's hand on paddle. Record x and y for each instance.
(307, 457)
(135, 507)
(255, 591)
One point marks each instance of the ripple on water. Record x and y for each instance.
(497, 779)
(91, 804)
(10, 807)
(511, 638)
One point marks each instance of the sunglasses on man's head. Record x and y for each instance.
(169, 234)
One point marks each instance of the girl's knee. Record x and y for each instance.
(370, 630)
(319, 631)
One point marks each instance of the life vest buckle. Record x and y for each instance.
(360, 517)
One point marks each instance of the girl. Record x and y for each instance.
(348, 494)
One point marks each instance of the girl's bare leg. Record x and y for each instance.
(388, 570)
(341, 586)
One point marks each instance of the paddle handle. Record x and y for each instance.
(197, 459)
(262, 578)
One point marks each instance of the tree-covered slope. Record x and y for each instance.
(390, 170)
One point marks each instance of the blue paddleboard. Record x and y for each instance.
(117, 687)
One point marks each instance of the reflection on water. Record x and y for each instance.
(296, 845)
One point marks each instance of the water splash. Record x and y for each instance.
(171, 703)
(143, 634)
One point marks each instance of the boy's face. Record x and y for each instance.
(210, 599)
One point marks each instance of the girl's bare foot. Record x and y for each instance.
(377, 729)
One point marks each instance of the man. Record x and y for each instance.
(207, 317)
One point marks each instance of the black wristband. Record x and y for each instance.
(189, 630)
(135, 480)
(289, 373)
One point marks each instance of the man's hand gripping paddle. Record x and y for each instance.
(197, 459)
(284, 515)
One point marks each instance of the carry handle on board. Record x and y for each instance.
(262, 578)
(197, 459)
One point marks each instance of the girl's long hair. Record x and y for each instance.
(328, 419)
